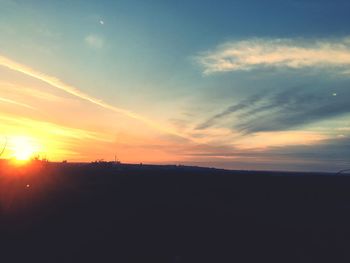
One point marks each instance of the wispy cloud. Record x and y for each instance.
(55, 82)
(30, 91)
(275, 53)
(10, 101)
(52, 128)
(320, 154)
(95, 41)
(282, 110)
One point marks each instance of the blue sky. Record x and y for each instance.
(234, 84)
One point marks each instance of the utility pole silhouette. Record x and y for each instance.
(116, 160)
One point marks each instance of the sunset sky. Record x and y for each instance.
(233, 84)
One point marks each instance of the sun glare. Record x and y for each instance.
(23, 148)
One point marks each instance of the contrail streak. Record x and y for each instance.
(55, 82)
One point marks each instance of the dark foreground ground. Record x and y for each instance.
(123, 213)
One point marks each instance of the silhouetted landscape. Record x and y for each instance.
(112, 212)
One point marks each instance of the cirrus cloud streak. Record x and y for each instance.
(275, 53)
(58, 84)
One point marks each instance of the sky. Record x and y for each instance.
(257, 85)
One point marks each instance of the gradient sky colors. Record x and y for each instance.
(233, 84)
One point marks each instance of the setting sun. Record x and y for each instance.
(23, 148)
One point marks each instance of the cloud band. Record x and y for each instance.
(272, 53)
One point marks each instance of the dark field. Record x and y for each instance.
(132, 213)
